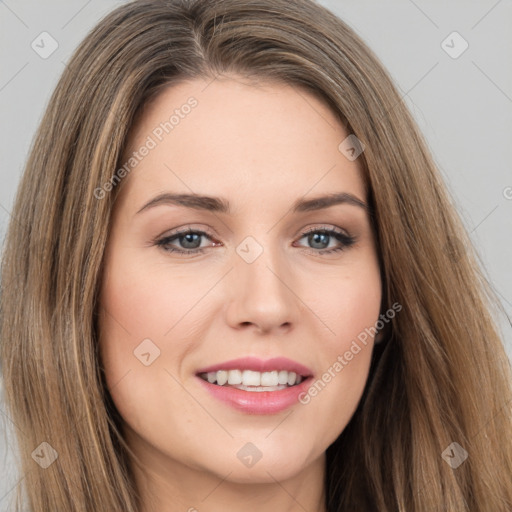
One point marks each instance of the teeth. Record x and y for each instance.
(275, 379)
(282, 377)
(222, 377)
(262, 388)
(291, 378)
(234, 377)
(250, 378)
(269, 378)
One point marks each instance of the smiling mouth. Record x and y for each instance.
(249, 380)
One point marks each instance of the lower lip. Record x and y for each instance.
(257, 402)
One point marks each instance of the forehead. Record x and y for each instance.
(229, 137)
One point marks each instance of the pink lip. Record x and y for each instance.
(259, 365)
(258, 402)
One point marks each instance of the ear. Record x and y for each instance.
(380, 336)
(383, 334)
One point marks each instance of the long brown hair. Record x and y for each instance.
(442, 376)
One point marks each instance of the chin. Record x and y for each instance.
(273, 465)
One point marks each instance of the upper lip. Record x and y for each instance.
(260, 365)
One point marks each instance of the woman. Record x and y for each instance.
(236, 279)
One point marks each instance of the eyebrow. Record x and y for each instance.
(220, 205)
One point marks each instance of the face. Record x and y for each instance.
(261, 280)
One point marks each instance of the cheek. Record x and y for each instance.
(350, 311)
(356, 312)
(348, 302)
(143, 303)
(136, 311)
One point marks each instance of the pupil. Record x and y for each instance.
(320, 238)
(188, 238)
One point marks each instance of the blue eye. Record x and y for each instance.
(319, 237)
(190, 241)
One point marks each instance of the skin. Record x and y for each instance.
(262, 147)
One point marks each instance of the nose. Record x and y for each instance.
(263, 293)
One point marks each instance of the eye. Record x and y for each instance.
(189, 239)
(319, 239)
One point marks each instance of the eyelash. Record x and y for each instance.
(346, 240)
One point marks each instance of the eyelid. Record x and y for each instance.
(187, 229)
(324, 227)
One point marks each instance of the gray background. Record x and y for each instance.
(463, 106)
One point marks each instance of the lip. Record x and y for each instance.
(260, 365)
(258, 402)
